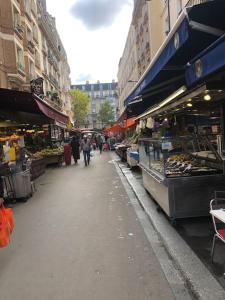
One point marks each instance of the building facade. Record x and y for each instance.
(152, 21)
(99, 93)
(30, 47)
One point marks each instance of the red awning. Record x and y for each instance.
(17, 101)
(130, 123)
(114, 129)
(50, 112)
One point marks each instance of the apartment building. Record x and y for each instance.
(30, 47)
(152, 21)
(99, 93)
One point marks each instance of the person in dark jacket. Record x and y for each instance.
(75, 145)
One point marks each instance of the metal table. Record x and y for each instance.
(219, 214)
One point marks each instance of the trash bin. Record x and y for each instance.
(22, 184)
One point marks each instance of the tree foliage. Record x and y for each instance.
(106, 114)
(80, 105)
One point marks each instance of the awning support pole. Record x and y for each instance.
(207, 29)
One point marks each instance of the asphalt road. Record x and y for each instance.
(79, 238)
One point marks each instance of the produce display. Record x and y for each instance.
(49, 152)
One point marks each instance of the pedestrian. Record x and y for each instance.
(75, 145)
(86, 148)
(101, 140)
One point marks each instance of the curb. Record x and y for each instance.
(197, 277)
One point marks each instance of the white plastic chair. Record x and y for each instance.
(218, 203)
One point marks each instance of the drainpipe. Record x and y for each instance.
(168, 7)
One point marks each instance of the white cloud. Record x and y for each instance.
(97, 14)
(93, 55)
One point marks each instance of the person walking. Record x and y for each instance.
(101, 140)
(86, 148)
(75, 145)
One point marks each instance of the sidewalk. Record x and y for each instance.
(79, 238)
(198, 278)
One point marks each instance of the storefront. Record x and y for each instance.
(181, 114)
(31, 136)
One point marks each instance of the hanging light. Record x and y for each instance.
(189, 105)
(207, 97)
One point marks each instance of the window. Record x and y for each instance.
(37, 59)
(35, 32)
(17, 21)
(27, 7)
(33, 7)
(93, 108)
(20, 58)
(179, 7)
(31, 70)
(29, 34)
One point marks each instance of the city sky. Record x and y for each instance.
(94, 33)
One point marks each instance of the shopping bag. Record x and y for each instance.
(4, 230)
(91, 153)
(8, 212)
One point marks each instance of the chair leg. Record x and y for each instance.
(213, 247)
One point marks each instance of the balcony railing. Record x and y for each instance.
(54, 81)
(196, 2)
(30, 46)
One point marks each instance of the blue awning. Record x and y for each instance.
(207, 63)
(197, 28)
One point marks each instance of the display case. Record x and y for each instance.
(180, 180)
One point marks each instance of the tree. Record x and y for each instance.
(80, 106)
(106, 114)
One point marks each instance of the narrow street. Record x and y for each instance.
(79, 238)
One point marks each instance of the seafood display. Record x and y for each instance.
(186, 165)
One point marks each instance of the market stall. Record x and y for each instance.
(182, 156)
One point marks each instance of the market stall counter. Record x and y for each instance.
(37, 168)
(121, 151)
(181, 183)
(51, 156)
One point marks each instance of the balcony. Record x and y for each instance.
(54, 81)
(54, 100)
(20, 68)
(30, 46)
(19, 30)
(51, 36)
